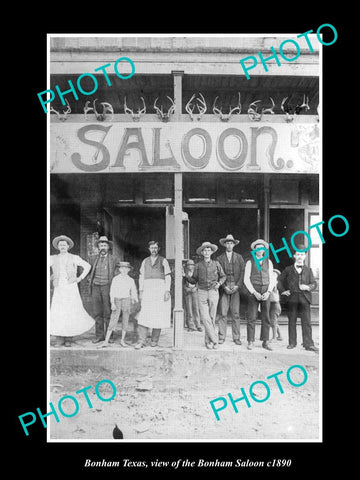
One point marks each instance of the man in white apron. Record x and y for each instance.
(154, 292)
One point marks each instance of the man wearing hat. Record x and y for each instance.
(233, 265)
(209, 275)
(68, 316)
(259, 284)
(191, 300)
(296, 282)
(102, 272)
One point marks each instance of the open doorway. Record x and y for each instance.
(284, 222)
(133, 228)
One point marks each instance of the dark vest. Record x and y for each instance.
(260, 279)
(154, 271)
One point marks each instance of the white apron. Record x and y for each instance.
(155, 313)
(68, 316)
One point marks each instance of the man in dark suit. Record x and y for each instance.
(102, 272)
(296, 282)
(233, 265)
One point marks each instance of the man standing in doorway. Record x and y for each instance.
(296, 282)
(259, 284)
(233, 265)
(154, 293)
(102, 272)
(209, 275)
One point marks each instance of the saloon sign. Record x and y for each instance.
(184, 147)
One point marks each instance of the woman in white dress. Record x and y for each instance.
(67, 314)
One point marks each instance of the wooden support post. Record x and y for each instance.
(178, 340)
(178, 304)
(266, 208)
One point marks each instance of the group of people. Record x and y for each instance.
(113, 293)
(210, 286)
(213, 286)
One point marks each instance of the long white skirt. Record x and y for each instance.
(68, 316)
(154, 313)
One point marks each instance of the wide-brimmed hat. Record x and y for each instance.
(228, 238)
(190, 262)
(64, 238)
(205, 245)
(259, 241)
(123, 264)
(104, 238)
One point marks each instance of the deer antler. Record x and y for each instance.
(62, 116)
(270, 109)
(224, 117)
(135, 116)
(164, 117)
(303, 106)
(253, 113)
(107, 108)
(188, 107)
(87, 108)
(202, 108)
(289, 117)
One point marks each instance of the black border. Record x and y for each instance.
(27, 365)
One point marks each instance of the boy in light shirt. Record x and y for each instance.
(123, 293)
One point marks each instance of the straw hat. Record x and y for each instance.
(228, 238)
(124, 264)
(64, 238)
(259, 241)
(205, 245)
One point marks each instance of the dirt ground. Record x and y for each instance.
(164, 395)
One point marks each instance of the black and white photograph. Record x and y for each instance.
(185, 228)
(184, 195)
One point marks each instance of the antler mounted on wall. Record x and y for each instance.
(107, 108)
(226, 117)
(304, 106)
(164, 116)
(62, 116)
(201, 108)
(253, 113)
(135, 116)
(290, 112)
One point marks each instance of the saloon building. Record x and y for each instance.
(186, 149)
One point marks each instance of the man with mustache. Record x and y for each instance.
(102, 272)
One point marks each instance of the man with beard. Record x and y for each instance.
(102, 272)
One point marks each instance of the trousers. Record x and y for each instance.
(208, 301)
(143, 331)
(192, 309)
(122, 306)
(252, 310)
(101, 309)
(230, 303)
(299, 307)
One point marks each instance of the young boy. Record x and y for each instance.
(123, 293)
(191, 300)
(275, 308)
